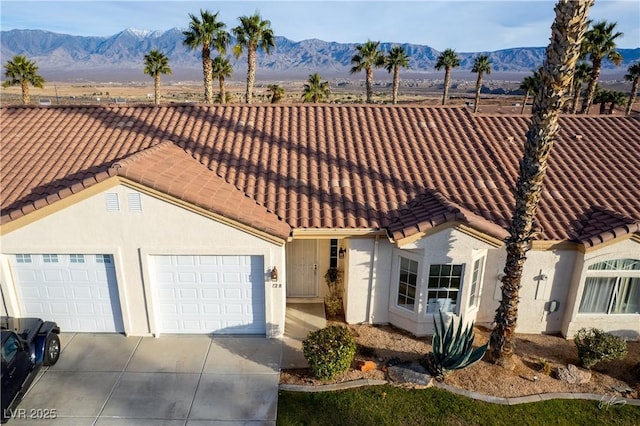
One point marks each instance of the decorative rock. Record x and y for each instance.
(573, 375)
(409, 373)
(367, 366)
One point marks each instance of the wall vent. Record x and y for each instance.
(113, 202)
(134, 201)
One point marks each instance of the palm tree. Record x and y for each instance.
(396, 58)
(599, 43)
(556, 76)
(602, 97)
(581, 74)
(530, 85)
(481, 65)
(24, 72)
(367, 57)
(447, 60)
(634, 77)
(315, 90)
(155, 64)
(221, 69)
(276, 93)
(209, 33)
(252, 34)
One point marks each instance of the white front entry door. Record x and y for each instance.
(78, 291)
(302, 268)
(209, 294)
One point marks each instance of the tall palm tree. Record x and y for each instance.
(276, 93)
(209, 33)
(556, 76)
(396, 58)
(221, 69)
(367, 57)
(599, 43)
(481, 65)
(530, 86)
(155, 64)
(252, 34)
(634, 77)
(24, 72)
(315, 90)
(447, 60)
(581, 74)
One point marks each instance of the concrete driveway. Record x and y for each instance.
(110, 379)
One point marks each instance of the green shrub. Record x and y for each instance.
(594, 345)
(329, 351)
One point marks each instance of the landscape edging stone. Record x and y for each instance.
(469, 394)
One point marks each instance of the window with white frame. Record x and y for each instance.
(443, 288)
(612, 287)
(50, 258)
(476, 282)
(23, 258)
(407, 283)
(103, 258)
(76, 258)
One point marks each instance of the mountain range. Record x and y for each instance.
(73, 56)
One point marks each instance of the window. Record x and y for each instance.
(10, 348)
(333, 254)
(76, 258)
(612, 287)
(407, 283)
(50, 258)
(443, 288)
(103, 258)
(476, 282)
(23, 258)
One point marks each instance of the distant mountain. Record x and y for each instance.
(64, 54)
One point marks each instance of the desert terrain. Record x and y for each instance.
(500, 93)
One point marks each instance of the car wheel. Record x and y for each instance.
(51, 349)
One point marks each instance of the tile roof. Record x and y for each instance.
(331, 166)
(169, 169)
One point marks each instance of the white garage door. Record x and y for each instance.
(209, 294)
(78, 291)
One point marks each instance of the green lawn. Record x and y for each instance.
(387, 405)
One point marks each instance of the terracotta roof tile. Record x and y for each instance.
(168, 168)
(328, 166)
(599, 225)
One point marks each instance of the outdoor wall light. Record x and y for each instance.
(341, 252)
(274, 274)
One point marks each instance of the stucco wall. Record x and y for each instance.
(131, 237)
(546, 277)
(368, 269)
(627, 325)
(371, 271)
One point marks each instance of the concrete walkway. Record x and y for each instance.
(110, 379)
(301, 318)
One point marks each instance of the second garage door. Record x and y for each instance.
(209, 294)
(78, 291)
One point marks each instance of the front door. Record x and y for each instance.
(302, 268)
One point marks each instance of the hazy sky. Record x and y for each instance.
(476, 25)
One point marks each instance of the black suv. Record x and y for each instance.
(27, 345)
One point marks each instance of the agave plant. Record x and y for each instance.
(452, 349)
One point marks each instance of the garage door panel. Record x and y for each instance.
(77, 291)
(77, 275)
(209, 294)
(53, 276)
(209, 278)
